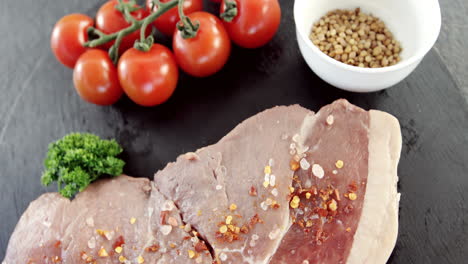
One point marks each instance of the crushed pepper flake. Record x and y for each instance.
(352, 196)
(233, 207)
(333, 205)
(253, 191)
(122, 259)
(140, 260)
(337, 195)
(223, 229)
(272, 180)
(274, 192)
(267, 170)
(152, 248)
(228, 219)
(103, 253)
(308, 195)
(348, 229)
(118, 250)
(294, 165)
(132, 220)
(191, 253)
(200, 247)
(339, 164)
(318, 171)
(295, 202)
(199, 212)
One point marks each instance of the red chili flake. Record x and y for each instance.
(118, 242)
(229, 237)
(301, 223)
(244, 229)
(253, 191)
(56, 259)
(318, 234)
(200, 246)
(255, 219)
(314, 191)
(348, 209)
(294, 165)
(187, 237)
(337, 195)
(353, 187)
(219, 235)
(322, 212)
(152, 248)
(57, 244)
(163, 217)
(275, 206)
(333, 213)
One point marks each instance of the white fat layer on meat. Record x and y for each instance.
(377, 230)
(307, 125)
(149, 233)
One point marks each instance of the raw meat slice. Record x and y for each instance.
(285, 186)
(123, 212)
(205, 184)
(331, 189)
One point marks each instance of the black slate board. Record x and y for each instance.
(38, 105)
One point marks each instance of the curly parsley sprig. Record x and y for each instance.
(78, 159)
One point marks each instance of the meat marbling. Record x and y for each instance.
(285, 186)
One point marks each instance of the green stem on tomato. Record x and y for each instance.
(114, 50)
(137, 24)
(230, 11)
(186, 28)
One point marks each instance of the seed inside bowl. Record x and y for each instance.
(356, 38)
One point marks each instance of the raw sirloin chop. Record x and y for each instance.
(285, 186)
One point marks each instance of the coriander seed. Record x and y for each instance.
(356, 38)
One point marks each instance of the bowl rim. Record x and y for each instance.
(403, 64)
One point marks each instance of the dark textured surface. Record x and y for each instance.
(39, 105)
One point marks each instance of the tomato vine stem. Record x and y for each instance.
(126, 9)
(231, 10)
(187, 28)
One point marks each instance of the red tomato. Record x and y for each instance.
(109, 20)
(206, 53)
(255, 24)
(68, 37)
(167, 22)
(95, 78)
(148, 78)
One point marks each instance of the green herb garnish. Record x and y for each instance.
(78, 159)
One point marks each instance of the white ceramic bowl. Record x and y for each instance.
(415, 23)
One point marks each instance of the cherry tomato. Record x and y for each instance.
(110, 20)
(208, 51)
(255, 24)
(95, 78)
(148, 78)
(167, 22)
(68, 37)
